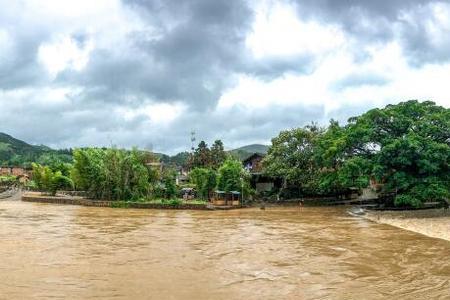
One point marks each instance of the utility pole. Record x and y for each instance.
(192, 140)
(191, 154)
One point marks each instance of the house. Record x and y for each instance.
(253, 163)
(259, 181)
(14, 171)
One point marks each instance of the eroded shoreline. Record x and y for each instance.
(433, 222)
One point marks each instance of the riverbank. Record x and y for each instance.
(75, 200)
(39, 198)
(432, 222)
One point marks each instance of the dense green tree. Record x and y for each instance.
(205, 181)
(339, 167)
(218, 154)
(291, 157)
(232, 176)
(201, 158)
(405, 147)
(112, 174)
(408, 146)
(169, 181)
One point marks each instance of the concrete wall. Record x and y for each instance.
(100, 203)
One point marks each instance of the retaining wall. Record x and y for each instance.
(100, 203)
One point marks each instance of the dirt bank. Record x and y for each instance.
(433, 222)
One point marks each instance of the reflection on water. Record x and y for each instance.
(70, 252)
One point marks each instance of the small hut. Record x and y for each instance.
(222, 198)
(219, 198)
(235, 198)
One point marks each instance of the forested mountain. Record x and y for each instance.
(14, 152)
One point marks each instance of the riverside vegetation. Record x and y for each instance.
(128, 175)
(403, 149)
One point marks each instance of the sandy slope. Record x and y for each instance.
(434, 223)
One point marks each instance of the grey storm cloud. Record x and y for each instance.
(18, 66)
(199, 44)
(188, 53)
(371, 21)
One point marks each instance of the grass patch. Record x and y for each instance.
(163, 202)
(120, 204)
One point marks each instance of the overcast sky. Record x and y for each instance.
(146, 72)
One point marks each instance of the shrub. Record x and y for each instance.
(170, 188)
(174, 202)
(48, 181)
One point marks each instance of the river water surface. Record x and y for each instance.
(72, 252)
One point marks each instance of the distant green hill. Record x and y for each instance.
(179, 159)
(254, 148)
(240, 153)
(14, 152)
(245, 151)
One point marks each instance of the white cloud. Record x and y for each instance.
(403, 82)
(277, 31)
(160, 114)
(5, 45)
(64, 53)
(149, 74)
(72, 8)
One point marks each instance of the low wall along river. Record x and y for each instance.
(81, 252)
(30, 197)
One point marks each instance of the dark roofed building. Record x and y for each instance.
(253, 163)
(259, 181)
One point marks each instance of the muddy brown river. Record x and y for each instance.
(69, 252)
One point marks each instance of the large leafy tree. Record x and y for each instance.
(405, 147)
(291, 157)
(340, 168)
(408, 146)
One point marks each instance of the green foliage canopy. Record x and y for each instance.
(112, 174)
(50, 181)
(408, 146)
(205, 157)
(205, 181)
(232, 177)
(405, 147)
